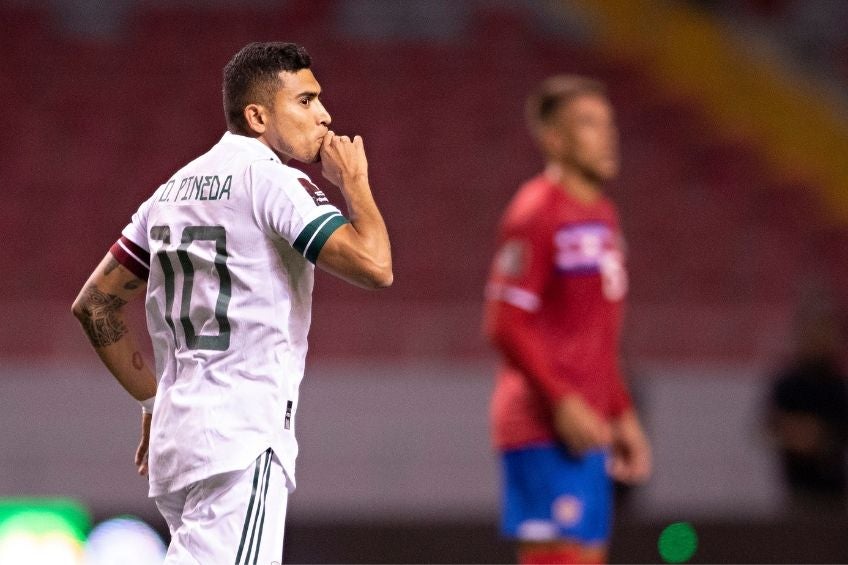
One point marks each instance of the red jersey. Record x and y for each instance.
(554, 306)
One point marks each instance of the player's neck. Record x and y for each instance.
(262, 139)
(573, 183)
(280, 155)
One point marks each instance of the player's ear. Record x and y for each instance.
(256, 118)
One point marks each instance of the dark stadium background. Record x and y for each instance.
(733, 197)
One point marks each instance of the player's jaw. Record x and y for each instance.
(312, 149)
(304, 148)
(606, 168)
(598, 158)
(597, 167)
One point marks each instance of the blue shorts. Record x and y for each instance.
(550, 495)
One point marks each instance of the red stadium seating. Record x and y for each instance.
(98, 125)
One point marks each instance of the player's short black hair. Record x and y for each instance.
(555, 92)
(252, 77)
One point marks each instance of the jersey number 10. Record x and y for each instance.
(220, 342)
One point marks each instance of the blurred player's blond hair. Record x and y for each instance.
(555, 92)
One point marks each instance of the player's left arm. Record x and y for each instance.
(99, 307)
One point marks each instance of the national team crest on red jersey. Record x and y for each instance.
(580, 248)
(314, 192)
(592, 248)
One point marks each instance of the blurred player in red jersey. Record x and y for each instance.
(563, 420)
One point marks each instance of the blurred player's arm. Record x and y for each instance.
(512, 330)
(99, 307)
(631, 452)
(358, 252)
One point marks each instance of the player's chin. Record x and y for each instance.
(313, 155)
(607, 171)
(310, 157)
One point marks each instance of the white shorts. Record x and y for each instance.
(235, 517)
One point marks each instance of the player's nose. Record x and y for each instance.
(323, 116)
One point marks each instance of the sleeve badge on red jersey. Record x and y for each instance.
(512, 258)
(315, 193)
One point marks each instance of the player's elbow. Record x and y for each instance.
(497, 335)
(358, 265)
(80, 309)
(378, 276)
(375, 270)
(503, 325)
(384, 280)
(493, 327)
(387, 280)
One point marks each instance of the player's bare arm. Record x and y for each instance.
(100, 309)
(579, 426)
(631, 451)
(358, 252)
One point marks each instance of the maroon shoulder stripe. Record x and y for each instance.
(136, 250)
(132, 256)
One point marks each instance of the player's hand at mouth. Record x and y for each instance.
(343, 159)
(320, 141)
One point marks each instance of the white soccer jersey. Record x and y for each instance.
(229, 241)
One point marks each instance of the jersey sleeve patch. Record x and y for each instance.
(132, 256)
(513, 258)
(316, 194)
(316, 233)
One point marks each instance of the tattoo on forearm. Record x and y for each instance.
(101, 321)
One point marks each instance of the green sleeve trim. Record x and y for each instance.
(324, 233)
(306, 234)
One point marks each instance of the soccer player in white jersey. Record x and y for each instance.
(225, 249)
